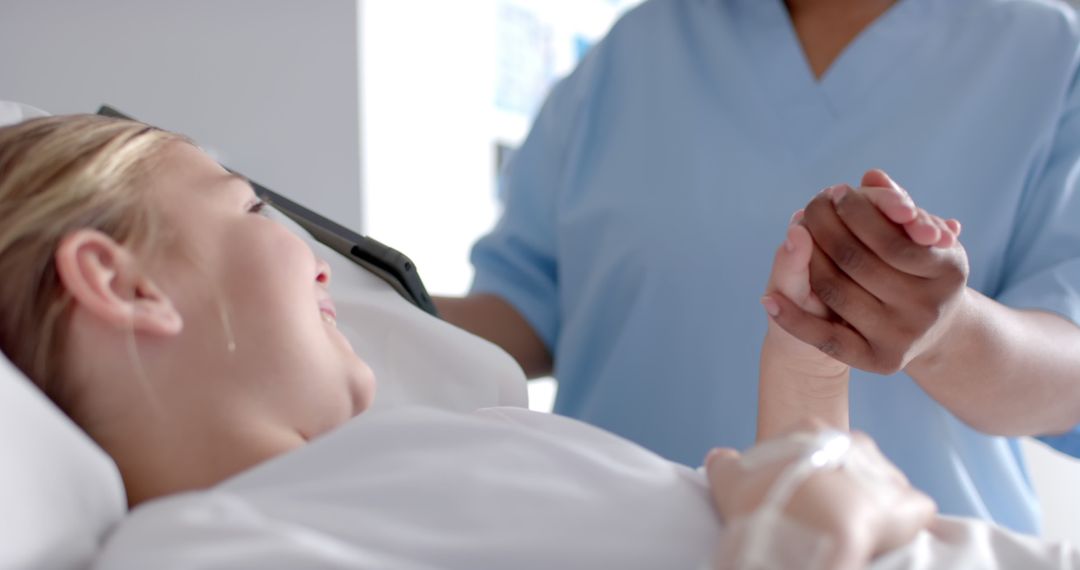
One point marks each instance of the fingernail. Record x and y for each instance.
(838, 193)
(798, 215)
(770, 305)
(710, 455)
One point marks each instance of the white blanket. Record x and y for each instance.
(419, 488)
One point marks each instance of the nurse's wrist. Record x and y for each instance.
(947, 343)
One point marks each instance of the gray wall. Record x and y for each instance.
(272, 86)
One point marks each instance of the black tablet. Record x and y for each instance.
(386, 262)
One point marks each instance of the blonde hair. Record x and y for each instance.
(57, 175)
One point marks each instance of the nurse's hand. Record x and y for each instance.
(892, 276)
(854, 514)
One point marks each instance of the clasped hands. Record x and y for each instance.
(886, 278)
(865, 279)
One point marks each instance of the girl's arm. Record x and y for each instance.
(797, 381)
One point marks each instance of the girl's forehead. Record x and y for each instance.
(187, 173)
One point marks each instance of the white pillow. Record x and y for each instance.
(59, 492)
(12, 112)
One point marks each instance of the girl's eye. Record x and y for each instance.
(258, 207)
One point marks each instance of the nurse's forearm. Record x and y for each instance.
(1005, 371)
(493, 319)
(793, 389)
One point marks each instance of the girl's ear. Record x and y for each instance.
(104, 281)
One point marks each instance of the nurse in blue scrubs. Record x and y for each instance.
(643, 209)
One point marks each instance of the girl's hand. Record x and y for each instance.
(852, 513)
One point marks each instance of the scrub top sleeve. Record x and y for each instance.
(1042, 264)
(1068, 442)
(517, 260)
(1042, 268)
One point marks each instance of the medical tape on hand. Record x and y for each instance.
(769, 539)
(763, 545)
(790, 545)
(826, 449)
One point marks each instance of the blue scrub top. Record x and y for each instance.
(644, 208)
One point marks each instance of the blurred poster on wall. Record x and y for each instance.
(537, 43)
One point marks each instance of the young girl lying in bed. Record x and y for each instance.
(194, 340)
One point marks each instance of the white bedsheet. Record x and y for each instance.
(967, 544)
(419, 488)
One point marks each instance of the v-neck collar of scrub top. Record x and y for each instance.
(806, 107)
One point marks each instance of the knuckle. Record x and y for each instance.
(830, 346)
(842, 207)
(816, 209)
(902, 250)
(828, 290)
(849, 258)
(851, 204)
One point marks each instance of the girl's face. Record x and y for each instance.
(259, 329)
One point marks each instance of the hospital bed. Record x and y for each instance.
(61, 496)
